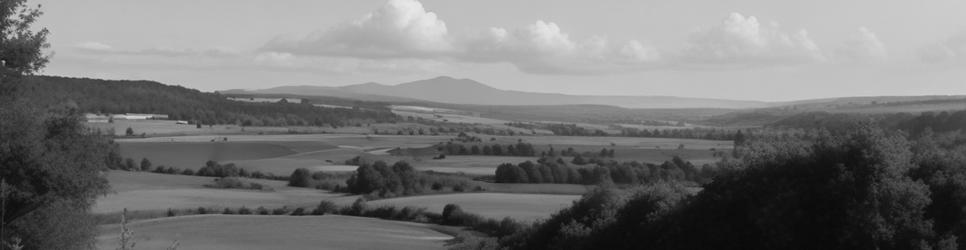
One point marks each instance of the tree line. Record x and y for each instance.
(381, 180)
(180, 103)
(518, 149)
(861, 188)
(605, 173)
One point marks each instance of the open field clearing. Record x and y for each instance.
(265, 152)
(148, 191)
(217, 232)
(195, 154)
(534, 188)
(565, 141)
(492, 205)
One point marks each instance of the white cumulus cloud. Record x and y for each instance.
(543, 47)
(741, 40)
(400, 28)
(951, 49)
(863, 46)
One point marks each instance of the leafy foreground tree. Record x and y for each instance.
(50, 165)
(843, 191)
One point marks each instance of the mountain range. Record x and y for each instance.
(445, 89)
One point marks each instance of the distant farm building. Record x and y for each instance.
(97, 118)
(135, 116)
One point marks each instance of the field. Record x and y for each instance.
(216, 232)
(283, 153)
(138, 191)
(158, 192)
(526, 207)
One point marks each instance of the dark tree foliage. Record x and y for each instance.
(50, 165)
(104, 96)
(301, 177)
(381, 180)
(862, 188)
(611, 172)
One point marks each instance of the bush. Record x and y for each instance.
(301, 177)
(201, 210)
(280, 211)
(244, 210)
(325, 207)
(298, 212)
(145, 164)
(262, 211)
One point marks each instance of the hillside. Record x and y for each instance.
(180, 103)
(466, 91)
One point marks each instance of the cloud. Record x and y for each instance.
(951, 49)
(93, 47)
(99, 48)
(543, 47)
(863, 46)
(741, 40)
(400, 28)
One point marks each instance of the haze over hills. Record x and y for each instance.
(466, 91)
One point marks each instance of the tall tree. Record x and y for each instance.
(51, 167)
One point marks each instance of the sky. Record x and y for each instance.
(767, 50)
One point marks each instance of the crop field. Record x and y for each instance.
(526, 207)
(156, 192)
(195, 154)
(224, 232)
(161, 127)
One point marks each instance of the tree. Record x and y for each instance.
(50, 164)
(145, 164)
(129, 131)
(130, 165)
(301, 177)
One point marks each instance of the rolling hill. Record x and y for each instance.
(466, 91)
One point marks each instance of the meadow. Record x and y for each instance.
(224, 232)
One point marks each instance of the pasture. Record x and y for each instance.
(527, 207)
(157, 192)
(218, 232)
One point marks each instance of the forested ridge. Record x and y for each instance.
(180, 103)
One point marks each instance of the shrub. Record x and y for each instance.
(201, 210)
(244, 210)
(325, 207)
(145, 164)
(262, 211)
(300, 178)
(298, 212)
(280, 211)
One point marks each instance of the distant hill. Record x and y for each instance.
(180, 103)
(466, 91)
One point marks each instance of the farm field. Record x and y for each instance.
(282, 154)
(157, 192)
(526, 207)
(139, 191)
(279, 154)
(224, 232)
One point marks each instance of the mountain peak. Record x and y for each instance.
(447, 82)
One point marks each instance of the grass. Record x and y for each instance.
(139, 191)
(276, 232)
(194, 154)
(527, 207)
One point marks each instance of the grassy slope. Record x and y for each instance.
(217, 232)
(148, 191)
